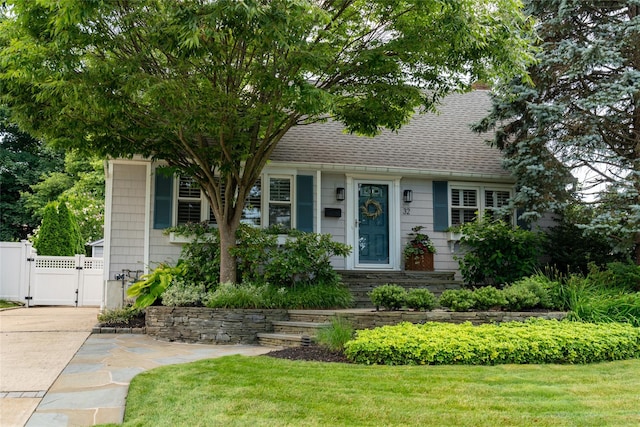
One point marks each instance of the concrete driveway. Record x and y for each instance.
(35, 346)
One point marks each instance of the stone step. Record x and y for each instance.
(361, 283)
(297, 328)
(284, 340)
(311, 316)
(361, 293)
(391, 276)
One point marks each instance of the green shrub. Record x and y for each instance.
(336, 334)
(305, 296)
(122, 317)
(388, 296)
(304, 258)
(520, 298)
(254, 251)
(571, 246)
(531, 292)
(457, 299)
(201, 256)
(589, 302)
(151, 286)
(488, 297)
(182, 294)
(495, 253)
(421, 299)
(244, 295)
(248, 295)
(616, 275)
(533, 341)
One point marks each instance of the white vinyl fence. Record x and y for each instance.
(49, 280)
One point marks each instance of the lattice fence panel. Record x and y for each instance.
(93, 264)
(56, 262)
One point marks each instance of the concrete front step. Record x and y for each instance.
(284, 340)
(297, 328)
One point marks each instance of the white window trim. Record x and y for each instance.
(265, 177)
(266, 196)
(481, 188)
(454, 237)
(204, 204)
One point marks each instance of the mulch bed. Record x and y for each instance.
(314, 353)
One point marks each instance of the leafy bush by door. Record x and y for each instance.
(495, 253)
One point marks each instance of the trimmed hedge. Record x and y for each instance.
(533, 341)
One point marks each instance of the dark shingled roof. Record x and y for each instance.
(438, 144)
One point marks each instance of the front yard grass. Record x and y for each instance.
(264, 391)
(8, 304)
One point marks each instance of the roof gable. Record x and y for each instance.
(440, 143)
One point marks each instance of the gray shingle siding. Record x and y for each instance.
(127, 218)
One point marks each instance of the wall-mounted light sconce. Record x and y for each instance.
(340, 194)
(407, 196)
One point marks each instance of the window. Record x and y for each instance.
(251, 212)
(280, 201)
(189, 201)
(494, 200)
(464, 205)
(467, 203)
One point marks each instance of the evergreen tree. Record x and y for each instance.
(581, 115)
(59, 234)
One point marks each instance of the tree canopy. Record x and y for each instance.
(32, 174)
(580, 115)
(211, 86)
(80, 185)
(23, 161)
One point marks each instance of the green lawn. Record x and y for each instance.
(7, 304)
(262, 391)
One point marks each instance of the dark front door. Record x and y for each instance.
(373, 224)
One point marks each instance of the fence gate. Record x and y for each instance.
(55, 280)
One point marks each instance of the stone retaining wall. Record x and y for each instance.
(210, 325)
(368, 319)
(375, 319)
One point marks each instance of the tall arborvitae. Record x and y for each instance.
(59, 234)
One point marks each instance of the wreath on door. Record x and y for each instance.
(371, 209)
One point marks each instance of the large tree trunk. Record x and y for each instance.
(227, 261)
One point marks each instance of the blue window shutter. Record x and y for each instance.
(440, 205)
(163, 201)
(304, 203)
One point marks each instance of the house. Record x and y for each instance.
(366, 192)
(97, 248)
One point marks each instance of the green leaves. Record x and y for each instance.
(496, 253)
(389, 296)
(59, 234)
(579, 116)
(151, 286)
(212, 86)
(534, 341)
